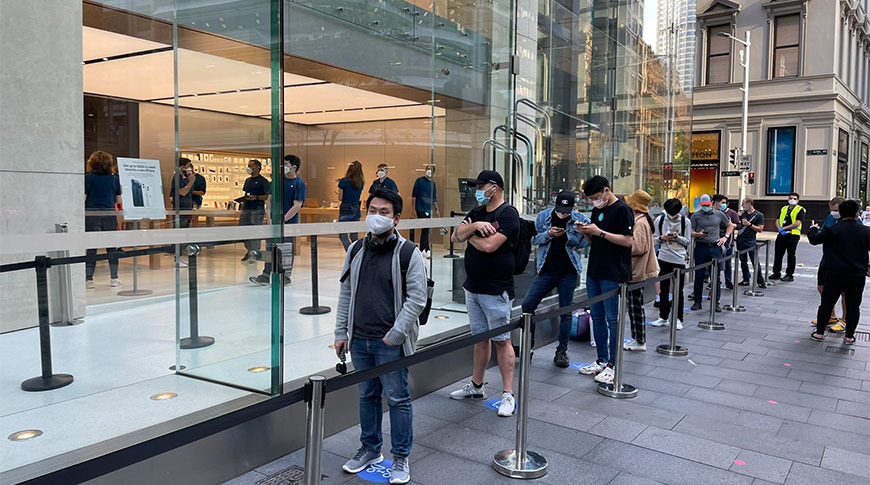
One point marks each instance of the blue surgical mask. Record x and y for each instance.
(481, 197)
(723, 207)
(706, 208)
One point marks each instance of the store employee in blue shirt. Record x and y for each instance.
(425, 197)
(382, 181)
(294, 197)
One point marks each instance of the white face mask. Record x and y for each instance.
(429, 173)
(379, 224)
(792, 201)
(249, 170)
(599, 204)
(381, 174)
(835, 214)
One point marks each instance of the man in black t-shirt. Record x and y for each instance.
(751, 223)
(257, 190)
(491, 231)
(610, 235)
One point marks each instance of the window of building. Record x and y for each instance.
(842, 162)
(718, 55)
(786, 45)
(780, 159)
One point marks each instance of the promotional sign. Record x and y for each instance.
(141, 188)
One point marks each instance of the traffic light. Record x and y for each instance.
(732, 156)
(751, 178)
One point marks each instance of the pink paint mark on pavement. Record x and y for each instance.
(739, 462)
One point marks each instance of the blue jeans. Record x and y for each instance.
(540, 287)
(605, 319)
(704, 253)
(367, 353)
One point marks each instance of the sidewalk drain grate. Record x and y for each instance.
(293, 475)
(862, 336)
(839, 350)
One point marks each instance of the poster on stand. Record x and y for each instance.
(141, 188)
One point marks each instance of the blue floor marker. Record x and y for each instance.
(578, 365)
(378, 473)
(495, 403)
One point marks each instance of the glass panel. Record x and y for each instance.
(787, 30)
(786, 62)
(705, 147)
(862, 178)
(719, 44)
(780, 160)
(718, 69)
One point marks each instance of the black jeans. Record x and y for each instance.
(348, 212)
(95, 224)
(665, 303)
(787, 243)
(703, 253)
(745, 258)
(852, 287)
(424, 233)
(252, 218)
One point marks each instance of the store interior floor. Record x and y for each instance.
(122, 353)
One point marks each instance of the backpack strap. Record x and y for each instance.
(661, 223)
(682, 224)
(353, 250)
(405, 254)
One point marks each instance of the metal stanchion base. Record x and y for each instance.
(134, 292)
(46, 383)
(627, 392)
(711, 326)
(505, 462)
(314, 310)
(196, 343)
(77, 321)
(770, 283)
(736, 309)
(675, 350)
(753, 293)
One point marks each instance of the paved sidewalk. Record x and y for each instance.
(756, 403)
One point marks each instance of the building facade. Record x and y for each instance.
(808, 129)
(675, 23)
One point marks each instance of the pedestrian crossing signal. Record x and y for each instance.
(751, 178)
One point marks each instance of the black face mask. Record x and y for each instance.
(378, 246)
(560, 222)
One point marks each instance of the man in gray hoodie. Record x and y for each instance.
(377, 320)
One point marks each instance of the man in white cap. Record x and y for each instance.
(707, 224)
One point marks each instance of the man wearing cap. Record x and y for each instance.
(558, 264)
(707, 225)
(491, 230)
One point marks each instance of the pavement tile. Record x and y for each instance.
(546, 392)
(786, 411)
(822, 357)
(751, 377)
(469, 443)
(837, 392)
(847, 461)
(330, 466)
(801, 474)
(439, 468)
(822, 435)
(250, 478)
(853, 408)
(766, 369)
(761, 466)
(626, 479)
(858, 374)
(565, 469)
(688, 447)
(663, 386)
(797, 398)
(618, 429)
(718, 412)
(685, 377)
(626, 409)
(737, 387)
(442, 407)
(842, 422)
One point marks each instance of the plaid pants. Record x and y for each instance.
(636, 315)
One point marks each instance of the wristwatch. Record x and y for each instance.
(602, 235)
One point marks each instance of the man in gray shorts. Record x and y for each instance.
(491, 230)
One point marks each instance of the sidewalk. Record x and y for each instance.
(756, 403)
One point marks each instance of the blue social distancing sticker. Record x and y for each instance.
(377, 473)
(578, 365)
(495, 403)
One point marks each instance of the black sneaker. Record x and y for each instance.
(696, 306)
(762, 285)
(718, 308)
(773, 277)
(286, 280)
(690, 297)
(656, 304)
(743, 283)
(729, 286)
(788, 278)
(260, 279)
(561, 359)
(246, 257)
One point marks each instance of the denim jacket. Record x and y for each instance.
(576, 241)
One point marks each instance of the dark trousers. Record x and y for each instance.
(348, 212)
(95, 224)
(852, 288)
(745, 258)
(636, 315)
(728, 270)
(665, 303)
(787, 243)
(541, 286)
(252, 218)
(424, 233)
(704, 253)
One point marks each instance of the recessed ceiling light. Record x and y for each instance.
(208, 66)
(24, 435)
(163, 396)
(259, 368)
(441, 317)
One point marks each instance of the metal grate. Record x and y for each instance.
(862, 336)
(289, 476)
(839, 350)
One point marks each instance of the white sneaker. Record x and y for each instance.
(469, 391)
(661, 322)
(507, 406)
(115, 283)
(90, 285)
(427, 253)
(605, 376)
(591, 369)
(679, 324)
(633, 345)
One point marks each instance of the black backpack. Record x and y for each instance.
(404, 261)
(522, 247)
(682, 223)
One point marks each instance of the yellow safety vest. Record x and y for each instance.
(794, 211)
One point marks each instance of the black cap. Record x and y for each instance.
(565, 202)
(487, 177)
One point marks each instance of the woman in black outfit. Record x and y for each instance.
(349, 192)
(102, 192)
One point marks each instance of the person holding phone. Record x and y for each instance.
(707, 225)
(673, 233)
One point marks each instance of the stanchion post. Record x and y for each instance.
(692, 259)
(734, 307)
(135, 291)
(451, 254)
(520, 462)
(755, 275)
(618, 389)
(314, 433)
(48, 380)
(712, 324)
(767, 280)
(195, 341)
(672, 348)
(315, 308)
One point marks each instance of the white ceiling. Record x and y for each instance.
(213, 82)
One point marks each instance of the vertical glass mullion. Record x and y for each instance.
(276, 55)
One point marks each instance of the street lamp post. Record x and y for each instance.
(744, 62)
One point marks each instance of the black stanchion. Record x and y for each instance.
(195, 341)
(47, 381)
(672, 348)
(315, 308)
(451, 254)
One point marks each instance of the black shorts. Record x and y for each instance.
(820, 276)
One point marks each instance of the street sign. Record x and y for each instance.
(731, 173)
(817, 152)
(744, 163)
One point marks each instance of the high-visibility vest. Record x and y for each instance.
(794, 211)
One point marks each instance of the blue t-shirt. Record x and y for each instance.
(258, 185)
(294, 189)
(198, 185)
(350, 194)
(425, 193)
(388, 184)
(100, 191)
(181, 202)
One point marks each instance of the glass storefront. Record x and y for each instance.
(237, 127)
